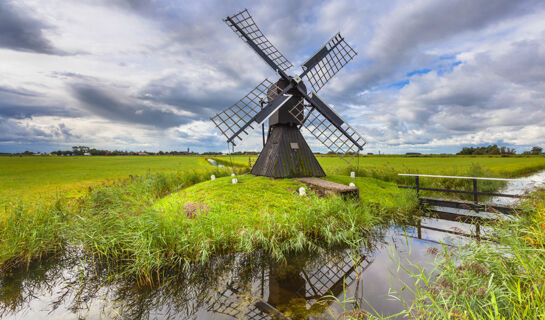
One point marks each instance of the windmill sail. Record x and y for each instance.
(330, 129)
(234, 120)
(244, 26)
(312, 283)
(325, 63)
(286, 153)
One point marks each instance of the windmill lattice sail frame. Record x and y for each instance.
(335, 54)
(320, 280)
(290, 105)
(326, 133)
(232, 119)
(245, 22)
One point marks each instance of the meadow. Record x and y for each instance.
(34, 177)
(132, 214)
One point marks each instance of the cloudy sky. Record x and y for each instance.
(430, 75)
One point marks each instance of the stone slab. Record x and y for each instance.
(324, 188)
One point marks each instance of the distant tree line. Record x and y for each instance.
(84, 150)
(495, 150)
(535, 150)
(491, 149)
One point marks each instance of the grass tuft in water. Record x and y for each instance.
(30, 231)
(489, 280)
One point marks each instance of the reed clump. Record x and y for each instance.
(30, 231)
(489, 280)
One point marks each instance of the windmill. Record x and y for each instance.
(288, 107)
(308, 284)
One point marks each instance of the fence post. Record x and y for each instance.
(475, 192)
(417, 178)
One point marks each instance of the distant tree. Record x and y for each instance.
(537, 150)
(491, 149)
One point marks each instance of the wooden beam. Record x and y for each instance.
(468, 205)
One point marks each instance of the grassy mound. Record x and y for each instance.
(252, 195)
(217, 217)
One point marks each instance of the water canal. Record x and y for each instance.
(242, 286)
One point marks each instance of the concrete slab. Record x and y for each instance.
(324, 188)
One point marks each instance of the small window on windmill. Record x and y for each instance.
(294, 145)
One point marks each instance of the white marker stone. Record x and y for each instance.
(234, 180)
(232, 174)
(212, 177)
(302, 191)
(352, 174)
(351, 184)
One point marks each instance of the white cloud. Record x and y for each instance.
(149, 74)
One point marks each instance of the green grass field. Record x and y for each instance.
(30, 177)
(44, 199)
(495, 165)
(26, 178)
(130, 213)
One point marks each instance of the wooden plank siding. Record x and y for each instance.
(287, 155)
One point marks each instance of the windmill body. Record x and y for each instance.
(288, 107)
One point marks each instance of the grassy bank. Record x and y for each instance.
(157, 222)
(217, 217)
(128, 218)
(31, 230)
(386, 168)
(487, 280)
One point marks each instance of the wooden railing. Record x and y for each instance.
(475, 206)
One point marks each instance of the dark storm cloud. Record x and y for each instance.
(19, 31)
(15, 132)
(18, 92)
(203, 100)
(20, 103)
(21, 111)
(107, 105)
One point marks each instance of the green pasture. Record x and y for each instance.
(111, 199)
(134, 215)
(25, 178)
(31, 177)
(513, 166)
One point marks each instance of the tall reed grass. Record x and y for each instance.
(32, 230)
(122, 226)
(488, 280)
